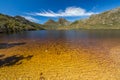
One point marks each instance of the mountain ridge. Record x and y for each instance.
(51, 24)
(17, 23)
(106, 20)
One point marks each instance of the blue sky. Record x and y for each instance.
(42, 10)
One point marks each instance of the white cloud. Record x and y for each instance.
(31, 19)
(68, 12)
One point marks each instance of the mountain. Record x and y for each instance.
(51, 24)
(63, 22)
(17, 23)
(106, 20)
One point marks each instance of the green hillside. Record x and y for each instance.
(106, 20)
(17, 23)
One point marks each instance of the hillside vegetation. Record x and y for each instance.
(17, 23)
(106, 20)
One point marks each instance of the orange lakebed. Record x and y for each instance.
(60, 59)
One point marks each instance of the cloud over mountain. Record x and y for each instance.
(32, 19)
(68, 12)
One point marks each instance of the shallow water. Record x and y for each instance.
(60, 55)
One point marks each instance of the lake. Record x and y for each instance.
(60, 55)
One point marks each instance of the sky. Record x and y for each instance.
(42, 10)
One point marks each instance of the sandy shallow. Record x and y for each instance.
(60, 60)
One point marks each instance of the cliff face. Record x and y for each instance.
(63, 22)
(51, 24)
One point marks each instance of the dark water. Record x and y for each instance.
(70, 35)
(85, 38)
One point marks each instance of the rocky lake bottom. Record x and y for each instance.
(60, 55)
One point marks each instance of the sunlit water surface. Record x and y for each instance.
(60, 55)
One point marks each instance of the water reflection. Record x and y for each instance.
(76, 38)
(9, 45)
(73, 34)
(12, 60)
